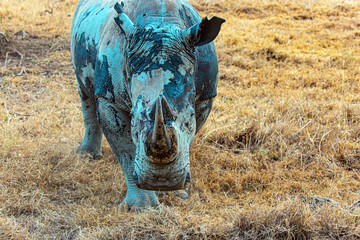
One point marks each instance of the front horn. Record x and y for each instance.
(161, 141)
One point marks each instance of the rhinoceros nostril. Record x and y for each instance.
(188, 177)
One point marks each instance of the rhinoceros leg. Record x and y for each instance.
(91, 143)
(202, 110)
(117, 129)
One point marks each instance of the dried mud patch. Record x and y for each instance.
(251, 12)
(21, 56)
(248, 138)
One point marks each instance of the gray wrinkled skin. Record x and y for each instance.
(147, 74)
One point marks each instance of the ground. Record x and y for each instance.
(285, 128)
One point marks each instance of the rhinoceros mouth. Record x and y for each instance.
(151, 181)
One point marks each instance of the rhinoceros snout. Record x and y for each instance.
(188, 178)
(161, 142)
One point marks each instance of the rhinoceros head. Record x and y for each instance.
(161, 67)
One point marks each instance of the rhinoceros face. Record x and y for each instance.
(161, 65)
(162, 137)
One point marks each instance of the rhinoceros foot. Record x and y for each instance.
(89, 152)
(182, 194)
(139, 200)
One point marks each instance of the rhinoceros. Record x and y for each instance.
(147, 74)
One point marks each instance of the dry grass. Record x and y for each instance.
(286, 124)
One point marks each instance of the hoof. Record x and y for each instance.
(139, 202)
(89, 153)
(137, 208)
(98, 156)
(182, 194)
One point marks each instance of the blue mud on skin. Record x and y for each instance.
(84, 55)
(103, 81)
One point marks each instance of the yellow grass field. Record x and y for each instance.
(285, 127)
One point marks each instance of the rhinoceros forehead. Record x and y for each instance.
(149, 85)
(160, 62)
(150, 49)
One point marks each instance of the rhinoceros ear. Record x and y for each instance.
(204, 32)
(123, 21)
